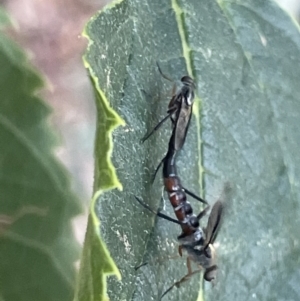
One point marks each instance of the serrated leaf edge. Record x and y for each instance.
(115, 183)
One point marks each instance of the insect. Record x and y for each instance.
(193, 239)
(180, 105)
(197, 242)
(179, 111)
(172, 183)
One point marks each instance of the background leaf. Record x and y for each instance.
(37, 247)
(244, 131)
(4, 18)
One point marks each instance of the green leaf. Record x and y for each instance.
(4, 18)
(37, 246)
(244, 57)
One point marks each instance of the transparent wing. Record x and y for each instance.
(213, 224)
(216, 215)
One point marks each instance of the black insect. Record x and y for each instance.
(193, 239)
(197, 242)
(176, 192)
(180, 105)
(179, 111)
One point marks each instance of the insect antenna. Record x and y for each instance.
(163, 75)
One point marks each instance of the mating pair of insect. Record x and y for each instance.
(197, 242)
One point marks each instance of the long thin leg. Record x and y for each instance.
(189, 266)
(161, 73)
(158, 213)
(141, 265)
(195, 196)
(156, 261)
(178, 283)
(170, 112)
(203, 213)
(157, 169)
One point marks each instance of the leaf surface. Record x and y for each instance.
(243, 56)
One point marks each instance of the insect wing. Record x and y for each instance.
(213, 224)
(182, 126)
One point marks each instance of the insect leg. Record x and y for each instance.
(178, 283)
(170, 112)
(158, 213)
(141, 265)
(157, 169)
(203, 213)
(189, 266)
(195, 196)
(157, 261)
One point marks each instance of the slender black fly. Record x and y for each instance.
(179, 111)
(197, 242)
